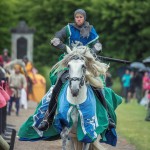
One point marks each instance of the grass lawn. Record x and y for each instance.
(132, 126)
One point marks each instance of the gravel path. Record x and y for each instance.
(47, 145)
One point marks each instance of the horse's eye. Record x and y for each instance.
(83, 66)
(68, 66)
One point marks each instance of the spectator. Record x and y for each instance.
(146, 87)
(17, 81)
(3, 110)
(2, 74)
(74, 34)
(28, 66)
(1, 61)
(144, 101)
(131, 92)
(146, 81)
(126, 85)
(6, 58)
(30, 76)
(138, 86)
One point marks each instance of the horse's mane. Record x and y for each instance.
(94, 68)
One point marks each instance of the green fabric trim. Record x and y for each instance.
(68, 32)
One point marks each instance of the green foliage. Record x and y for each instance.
(6, 19)
(47, 17)
(116, 85)
(123, 26)
(132, 126)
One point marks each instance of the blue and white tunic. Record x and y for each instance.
(87, 121)
(74, 36)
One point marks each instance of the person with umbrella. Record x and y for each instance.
(126, 84)
(138, 67)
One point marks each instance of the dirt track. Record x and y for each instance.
(54, 145)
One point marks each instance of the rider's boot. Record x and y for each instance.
(49, 116)
(48, 119)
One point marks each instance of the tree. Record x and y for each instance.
(125, 33)
(123, 26)
(47, 17)
(6, 21)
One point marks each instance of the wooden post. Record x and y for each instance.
(3, 144)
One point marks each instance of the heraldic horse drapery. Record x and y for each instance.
(77, 106)
(85, 113)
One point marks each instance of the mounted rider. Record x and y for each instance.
(74, 34)
(78, 33)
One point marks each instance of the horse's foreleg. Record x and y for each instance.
(86, 146)
(96, 144)
(70, 144)
(64, 136)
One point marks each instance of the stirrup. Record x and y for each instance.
(44, 125)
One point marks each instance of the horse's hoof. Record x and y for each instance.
(43, 126)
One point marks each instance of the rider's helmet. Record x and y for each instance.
(80, 11)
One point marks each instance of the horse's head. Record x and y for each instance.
(82, 64)
(77, 70)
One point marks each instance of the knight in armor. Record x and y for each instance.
(80, 33)
(42, 124)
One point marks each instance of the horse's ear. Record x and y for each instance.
(68, 49)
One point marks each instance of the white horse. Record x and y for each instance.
(79, 76)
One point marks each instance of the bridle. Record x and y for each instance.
(81, 80)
